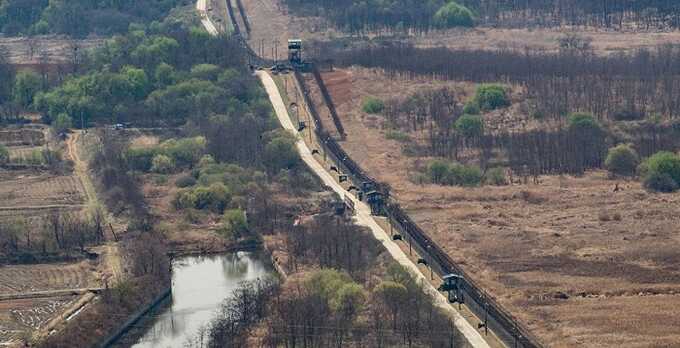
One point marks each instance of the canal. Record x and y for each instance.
(200, 284)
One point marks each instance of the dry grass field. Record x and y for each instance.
(580, 264)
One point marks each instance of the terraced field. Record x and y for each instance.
(24, 188)
(16, 279)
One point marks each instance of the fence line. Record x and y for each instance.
(506, 327)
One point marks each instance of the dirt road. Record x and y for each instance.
(111, 260)
(363, 215)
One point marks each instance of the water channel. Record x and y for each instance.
(199, 286)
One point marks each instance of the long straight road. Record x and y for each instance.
(363, 215)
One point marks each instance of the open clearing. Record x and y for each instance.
(578, 263)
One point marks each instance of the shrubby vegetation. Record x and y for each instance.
(491, 97)
(661, 172)
(455, 174)
(372, 105)
(622, 160)
(453, 14)
(470, 126)
(582, 122)
(79, 17)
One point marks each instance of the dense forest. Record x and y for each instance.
(79, 18)
(357, 16)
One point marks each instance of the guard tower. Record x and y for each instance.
(295, 52)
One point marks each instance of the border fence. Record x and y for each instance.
(502, 323)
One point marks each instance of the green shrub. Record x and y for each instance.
(444, 173)
(372, 105)
(235, 225)
(661, 167)
(470, 126)
(438, 171)
(185, 181)
(491, 97)
(582, 122)
(622, 160)
(495, 176)
(206, 160)
(141, 158)
(162, 164)
(452, 14)
(471, 108)
(220, 196)
(280, 153)
(4, 154)
(184, 152)
(185, 199)
(397, 135)
(460, 175)
(660, 182)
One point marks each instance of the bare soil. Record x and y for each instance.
(27, 188)
(579, 264)
(18, 279)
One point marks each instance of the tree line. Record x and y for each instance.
(644, 14)
(616, 87)
(358, 17)
(361, 17)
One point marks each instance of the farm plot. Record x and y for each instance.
(21, 137)
(31, 189)
(582, 261)
(19, 317)
(18, 279)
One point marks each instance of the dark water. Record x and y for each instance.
(199, 285)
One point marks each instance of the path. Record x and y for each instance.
(202, 7)
(111, 260)
(363, 215)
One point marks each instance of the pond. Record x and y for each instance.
(199, 285)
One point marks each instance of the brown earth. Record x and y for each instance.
(579, 264)
(27, 188)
